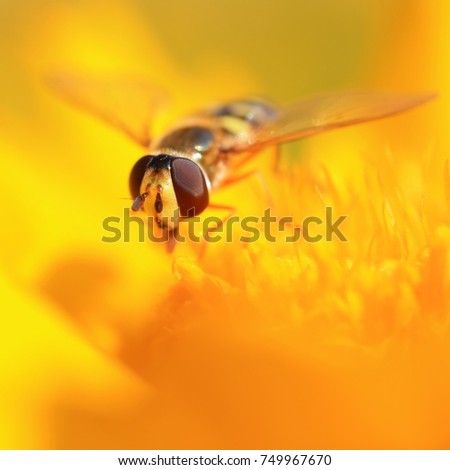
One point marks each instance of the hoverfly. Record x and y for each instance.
(203, 151)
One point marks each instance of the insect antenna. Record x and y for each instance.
(139, 202)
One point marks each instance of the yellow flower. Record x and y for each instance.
(260, 345)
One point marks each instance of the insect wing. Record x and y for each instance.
(331, 111)
(126, 103)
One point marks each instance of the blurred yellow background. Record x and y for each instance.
(263, 346)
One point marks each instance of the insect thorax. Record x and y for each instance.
(211, 137)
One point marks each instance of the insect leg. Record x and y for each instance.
(171, 241)
(231, 211)
(252, 173)
(277, 160)
(282, 222)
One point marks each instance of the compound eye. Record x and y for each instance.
(137, 174)
(190, 187)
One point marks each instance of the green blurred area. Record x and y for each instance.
(292, 47)
(283, 49)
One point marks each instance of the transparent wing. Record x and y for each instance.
(126, 103)
(332, 111)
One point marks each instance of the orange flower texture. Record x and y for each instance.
(263, 345)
